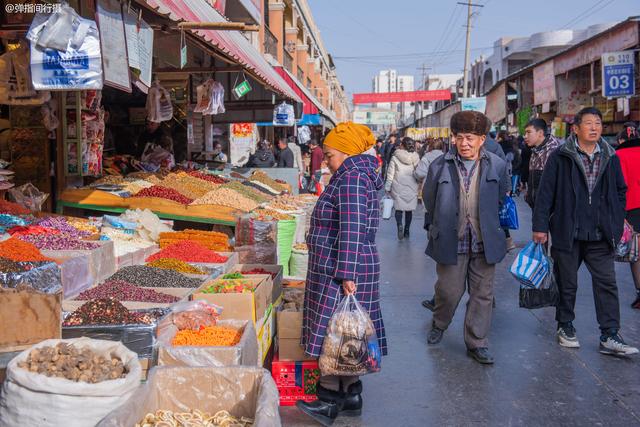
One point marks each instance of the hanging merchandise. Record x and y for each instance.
(65, 51)
(210, 98)
(242, 88)
(304, 135)
(159, 106)
(15, 79)
(284, 115)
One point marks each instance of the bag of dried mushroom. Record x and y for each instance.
(71, 383)
(350, 346)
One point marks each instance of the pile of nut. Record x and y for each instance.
(188, 185)
(194, 418)
(227, 197)
(67, 361)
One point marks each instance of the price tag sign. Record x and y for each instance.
(618, 74)
(242, 89)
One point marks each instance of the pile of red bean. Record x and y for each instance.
(124, 291)
(208, 177)
(260, 271)
(164, 193)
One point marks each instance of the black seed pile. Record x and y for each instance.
(151, 277)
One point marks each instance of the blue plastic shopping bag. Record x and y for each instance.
(509, 214)
(531, 266)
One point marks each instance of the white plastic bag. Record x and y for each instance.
(387, 207)
(159, 107)
(284, 115)
(299, 262)
(34, 400)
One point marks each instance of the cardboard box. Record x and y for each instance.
(28, 317)
(295, 380)
(272, 268)
(245, 353)
(289, 326)
(242, 390)
(265, 334)
(247, 306)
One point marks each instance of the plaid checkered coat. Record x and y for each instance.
(342, 247)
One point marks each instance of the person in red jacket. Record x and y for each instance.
(629, 154)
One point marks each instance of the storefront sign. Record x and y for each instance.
(374, 117)
(139, 37)
(113, 43)
(544, 84)
(474, 104)
(242, 137)
(497, 103)
(618, 77)
(625, 37)
(415, 96)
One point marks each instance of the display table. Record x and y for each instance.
(103, 201)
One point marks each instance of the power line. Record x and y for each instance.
(406, 54)
(588, 12)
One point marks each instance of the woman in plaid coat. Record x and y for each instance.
(343, 259)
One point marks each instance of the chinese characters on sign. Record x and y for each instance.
(618, 74)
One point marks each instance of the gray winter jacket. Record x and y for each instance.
(423, 167)
(441, 195)
(401, 182)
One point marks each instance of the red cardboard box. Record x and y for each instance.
(295, 380)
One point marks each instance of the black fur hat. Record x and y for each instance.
(470, 122)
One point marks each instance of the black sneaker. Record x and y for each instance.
(481, 355)
(429, 304)
(567, 335)
(435, 335)
(614, 345)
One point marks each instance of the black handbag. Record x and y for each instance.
(547, 295)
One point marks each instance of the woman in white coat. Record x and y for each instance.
(402, 184)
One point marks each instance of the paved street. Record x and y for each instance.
(534, 381)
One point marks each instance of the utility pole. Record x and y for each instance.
(467, 49)
(423, 85)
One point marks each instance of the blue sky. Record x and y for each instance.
(365, 36)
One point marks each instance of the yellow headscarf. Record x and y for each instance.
(350, 138)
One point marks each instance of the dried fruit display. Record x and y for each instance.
(194, 418)
(64, 225)
(17, 250)
(262, 177)
(108, 312)
(227, 197)
(75, 364)
(265, 214)
(13, 208)
(248, 192)
(260, 271)
(175, 265)
(58, 242)
(189, 251)
(230, 286)
(188, 185)
(164, 193)
(212, 240)
(124, 291)
(301, 247)
(219, 336)
(215, 179)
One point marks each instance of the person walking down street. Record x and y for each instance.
(343, 260)
(463, 194)
(285, 155)
(434, 151)
(317, 156)
(581, 202)
(298, 163)
(542, 145)
(516, 165)
(388, 149)
(403, 185)
(263, 157)
(629, 154)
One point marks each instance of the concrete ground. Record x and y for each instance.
(534, 382)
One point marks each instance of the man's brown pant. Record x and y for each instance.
(452, 282)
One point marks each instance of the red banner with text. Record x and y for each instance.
(415, 96)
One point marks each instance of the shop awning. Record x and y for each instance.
(311, 103)
(232, 43)
(310, 120)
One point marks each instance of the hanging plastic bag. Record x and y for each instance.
(387, 207)
(531, 266)
(159, 107)
(509, 214)
(29, 196)
(546, 296)
(627, 248)
(350, 346)
(284, 115)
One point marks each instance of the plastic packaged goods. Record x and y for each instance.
(261, 253)
(30, 399)
(284, 115)
(41, 276)
(75, 274)
(299, 262)
(286, 239)
(251, 231)
(244, 391)
(244, 352)
(102, 260)
(350, 347)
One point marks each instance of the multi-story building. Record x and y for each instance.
(511, 54)
(389, 81)
(291, 38)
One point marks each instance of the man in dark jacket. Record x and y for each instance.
(472, 183)
(285, 155)
(263, 157)
(388, 149)
(581, 202)
(541, 145)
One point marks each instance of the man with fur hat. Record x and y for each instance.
(471, 182)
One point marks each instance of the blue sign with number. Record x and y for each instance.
(618, 74)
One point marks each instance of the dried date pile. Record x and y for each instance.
(67, 361)
(107, 312)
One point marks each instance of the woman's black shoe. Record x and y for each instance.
(325, 409)
(406, 232)
(352, 403)
(400, 232)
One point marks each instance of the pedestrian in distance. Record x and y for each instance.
(542, 144)
(434, 150)
(628, 152)
(286, 158)
(402, 185)
(263, 157)
(388, 149)
(343, 260)
(581, 203)
(463, 194)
